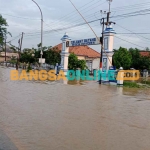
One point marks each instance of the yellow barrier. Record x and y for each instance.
(128, 75)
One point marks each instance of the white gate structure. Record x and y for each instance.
(108, 47)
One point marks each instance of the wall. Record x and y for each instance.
(9, 54)
(81, 57)
(96, 63)
(3, 59)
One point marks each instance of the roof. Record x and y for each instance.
(8, 49)
(81, 51)
(145, 53)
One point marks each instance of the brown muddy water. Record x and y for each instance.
(81, 116)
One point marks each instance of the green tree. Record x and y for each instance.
(52, 56)
(74, 63)
(3, 30)
(27, 58)
(135, 58)
(144, 62)
(82, 64)
(122, 58)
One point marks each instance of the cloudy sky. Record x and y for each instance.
(24, 16)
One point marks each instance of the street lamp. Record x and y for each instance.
(41, 29)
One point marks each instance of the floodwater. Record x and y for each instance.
(86, 116)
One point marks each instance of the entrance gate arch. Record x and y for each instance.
(108, 47)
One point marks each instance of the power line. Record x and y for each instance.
(14, 38)
(91, 8)
(61, 17)
(61, 29)
(19, 17)
(72, 26)
(58, 32)
(74, 12)
(132, 13)
(130, 6)
(98, 11)
(133, 32)
(122, 15)
(129, 42)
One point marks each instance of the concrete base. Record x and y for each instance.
(105, 82)
(120, 84)
(113, 83)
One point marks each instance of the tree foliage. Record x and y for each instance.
(122, 58)
(135, 58)
(27, 58)
(3, 30)
(74, 63)
(52, 56)
(131, 59)
(144, 62)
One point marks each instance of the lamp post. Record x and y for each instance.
(5, 46)
(41, 29)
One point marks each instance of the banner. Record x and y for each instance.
(90, 41)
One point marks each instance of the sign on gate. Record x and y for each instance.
(90, 41)
(41, 60)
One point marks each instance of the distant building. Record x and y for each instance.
(9, 54)
(86, 53)
(145, 53)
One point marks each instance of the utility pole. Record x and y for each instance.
(5, 48)
(19, 45)
(102, 39)
(21, 42)
(109, 4)
(41, 29)
(18, 58)
(108, 15)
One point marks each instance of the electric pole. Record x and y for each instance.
(21, 42)
(102, 39)
(5, 47)
(109, 4)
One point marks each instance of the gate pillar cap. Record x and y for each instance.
(66, 37)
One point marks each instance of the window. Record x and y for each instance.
(106, 43)
(89, 64)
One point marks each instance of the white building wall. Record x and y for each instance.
(81, 57)
(96, 63)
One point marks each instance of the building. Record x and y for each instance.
(86, 53)
(9, 54)
(145, 53)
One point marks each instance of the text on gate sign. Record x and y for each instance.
(92, 41)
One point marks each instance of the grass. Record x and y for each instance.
(131, 84)
(145, 82)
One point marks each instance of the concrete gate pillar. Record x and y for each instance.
(65, 53)
(108, 48)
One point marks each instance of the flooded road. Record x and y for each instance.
(87, 116)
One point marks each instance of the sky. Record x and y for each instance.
(24, 16)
